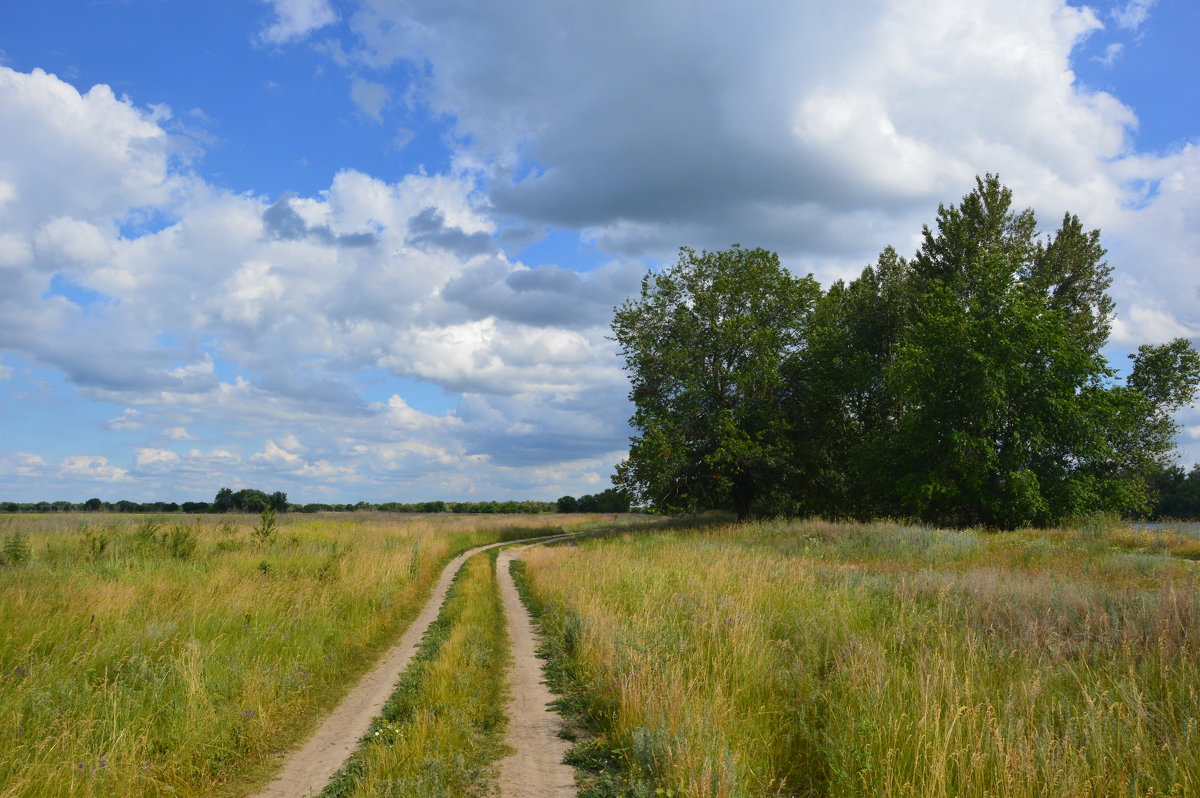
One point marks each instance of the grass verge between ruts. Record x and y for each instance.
(443, 727)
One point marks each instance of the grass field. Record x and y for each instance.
(171, 656)
(817, 659)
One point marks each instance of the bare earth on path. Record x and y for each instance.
(307, 770)
(536, 770)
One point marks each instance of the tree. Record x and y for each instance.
(93, 505)
(223, 501)
(704, 346)
(1005, 411)
(279, 501)
(841, 409)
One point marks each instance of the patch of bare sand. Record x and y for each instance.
(536, 770)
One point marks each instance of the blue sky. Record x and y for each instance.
(369, 249)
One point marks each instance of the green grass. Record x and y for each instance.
(443, 727)
(179, 656)
(816, 659)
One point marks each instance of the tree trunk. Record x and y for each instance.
(743, 496)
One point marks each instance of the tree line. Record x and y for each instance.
(963, 386)
(251, 500)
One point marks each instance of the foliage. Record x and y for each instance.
(964, 386)
(611, 500)
(704, 345)
(268, 526)
(1176, 493)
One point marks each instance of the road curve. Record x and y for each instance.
(307, 770)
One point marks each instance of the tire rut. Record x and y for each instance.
(536, 769)
(306, 771)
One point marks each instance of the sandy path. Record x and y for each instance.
(536, 770)
(306, 771)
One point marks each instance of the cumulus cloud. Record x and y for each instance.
(92, 468)
(295, 19)
(837, 133)
(260, 318)
(155, 459)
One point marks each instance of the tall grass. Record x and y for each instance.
(149, 656)
(821, 659)
(442, 729)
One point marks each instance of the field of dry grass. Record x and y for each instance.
(818, 659)
(169, 656)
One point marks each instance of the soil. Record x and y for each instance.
(536, 770)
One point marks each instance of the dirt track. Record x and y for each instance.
(536, 770)
(307, 770)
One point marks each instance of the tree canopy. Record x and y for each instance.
(965, 385)
(704, 346)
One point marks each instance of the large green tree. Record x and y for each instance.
(704, 345)
(1005, 410)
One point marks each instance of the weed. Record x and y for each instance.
(268, 526)
(95, 543)
(180, 542)
(16, 551)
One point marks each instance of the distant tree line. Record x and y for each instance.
(1177, 494)
(613, 500)
(250, 500)
(964, 386)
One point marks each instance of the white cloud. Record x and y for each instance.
(274, 454)
(1133, 14)
(295, 19)
(6, 372)
(63, 243)
(128, 420)
(155, 459)
(1111, 52)
(23, 465)
(93, 468)
(370, 98)
(837, 134)
(262, 317)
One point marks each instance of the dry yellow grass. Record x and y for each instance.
(821, 659)
(132, 665)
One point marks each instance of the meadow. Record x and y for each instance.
(146, 656)
(796, 658)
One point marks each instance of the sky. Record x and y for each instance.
(369, 249)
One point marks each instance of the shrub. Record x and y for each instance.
(268, 526)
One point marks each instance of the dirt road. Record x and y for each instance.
(306, 771)
(536, 770)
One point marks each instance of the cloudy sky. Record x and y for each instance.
(368, 249)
